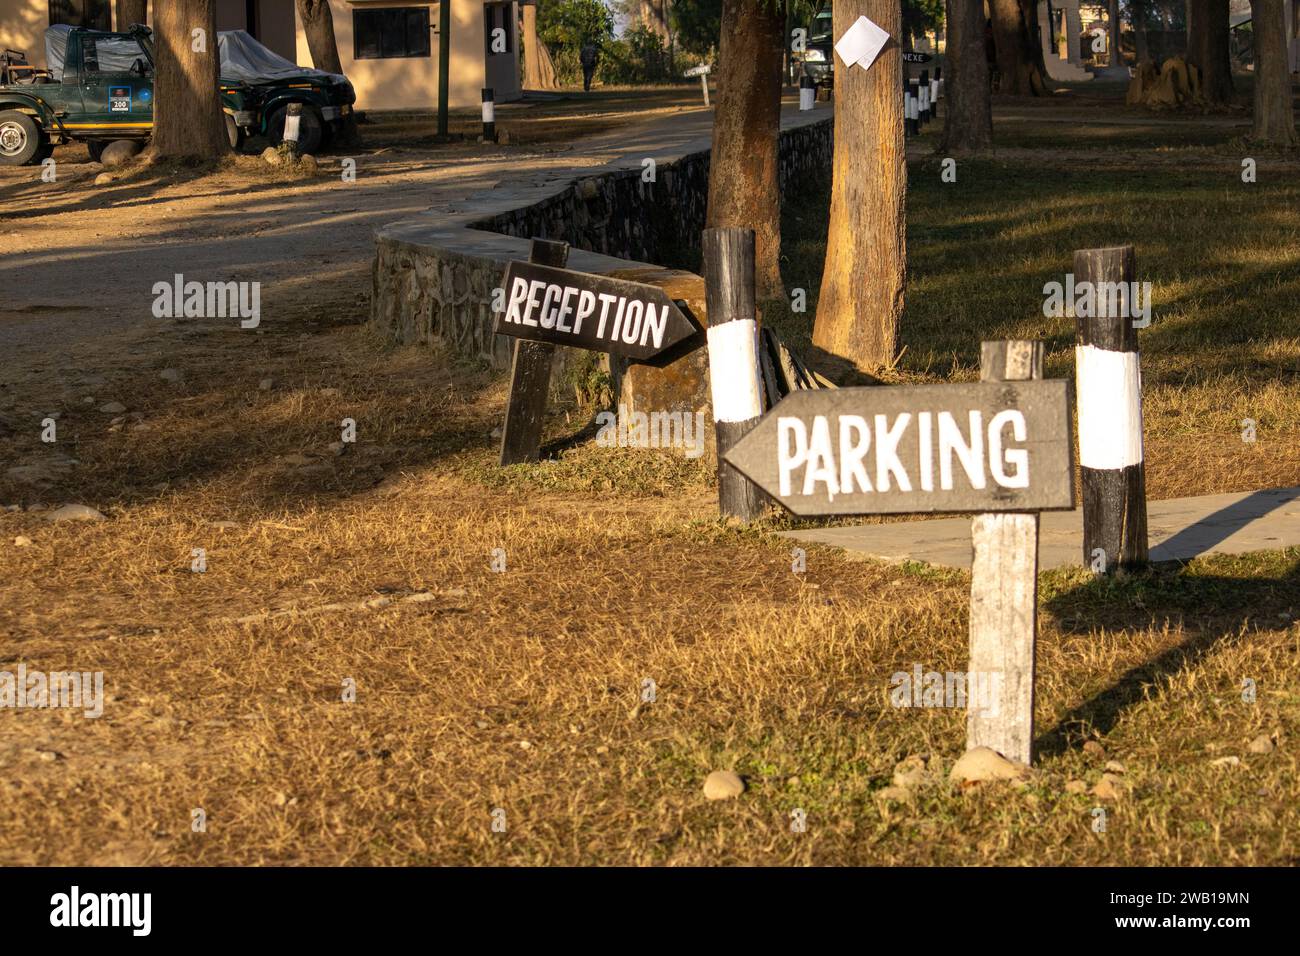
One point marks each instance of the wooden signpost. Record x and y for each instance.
(1001, 448)
(546, 305)
(912, 449)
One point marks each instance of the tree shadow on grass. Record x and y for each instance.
(1213, 608)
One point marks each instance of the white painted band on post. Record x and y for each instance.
(1108, 389)
(806, 98)
(489, 111)
(733, 371)
(291, 122)
(924, 104)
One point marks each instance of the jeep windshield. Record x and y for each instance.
(100, 52)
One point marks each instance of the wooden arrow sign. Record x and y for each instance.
(995, 446)
(586, 311)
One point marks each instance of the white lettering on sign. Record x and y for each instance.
(837, 456)
(564, 308)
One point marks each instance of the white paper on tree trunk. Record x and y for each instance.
(861, 43)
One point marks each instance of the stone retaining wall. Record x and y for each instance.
(433, 278)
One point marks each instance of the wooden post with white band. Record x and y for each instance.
(489, 116)
(1108, 384)
(733, 359)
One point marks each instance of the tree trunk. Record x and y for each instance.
(1274, 118)
(968, 116)
(866, 250)
(318, 25)
(1112, 28)
(539, 69)
(1140, 46)
(744, 182)
(131, 11)
(1014, 31)
(188, 122)
(1207, 48)
(654, 15)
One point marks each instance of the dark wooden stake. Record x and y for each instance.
(1004, 597)
(733, 359)
(1108, 383)
(530, 377)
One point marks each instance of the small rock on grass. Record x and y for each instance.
(1225, 761)
(170, 375)
(75, 513)
(266, 384)
(1094, 749)
(1109, 787)
(1076, 786)
(723, 785)
(983, 764)
(1114, 766)
(112, 408)
(22, 541)
(1263, 744)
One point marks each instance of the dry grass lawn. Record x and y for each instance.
(521, 691)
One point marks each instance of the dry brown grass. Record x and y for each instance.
(521, 690)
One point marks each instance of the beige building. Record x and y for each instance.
(389, 49)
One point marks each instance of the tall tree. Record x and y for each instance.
(1207, 48)
(1015, 37)
(130, 12)
(968, 115)
(654, 16)
(861, 297)
(188, 122)
(318, 25)
(539, 68)
(1274, 120)
(744, 183)
(1113, 33)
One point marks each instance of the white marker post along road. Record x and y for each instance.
(1108, 374)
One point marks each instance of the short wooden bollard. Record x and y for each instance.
(733, 359)
(292, 126)
(1004, 594)
(530, 377)
(1108, 384)
(490, 116)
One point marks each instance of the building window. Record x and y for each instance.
(497, 15)
(390, 33)
(95, 14)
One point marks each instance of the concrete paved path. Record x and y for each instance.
(1179, 529)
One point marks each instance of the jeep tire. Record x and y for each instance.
(22, 142)
(311, 128)
(234, 135)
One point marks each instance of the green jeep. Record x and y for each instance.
(99, 88)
